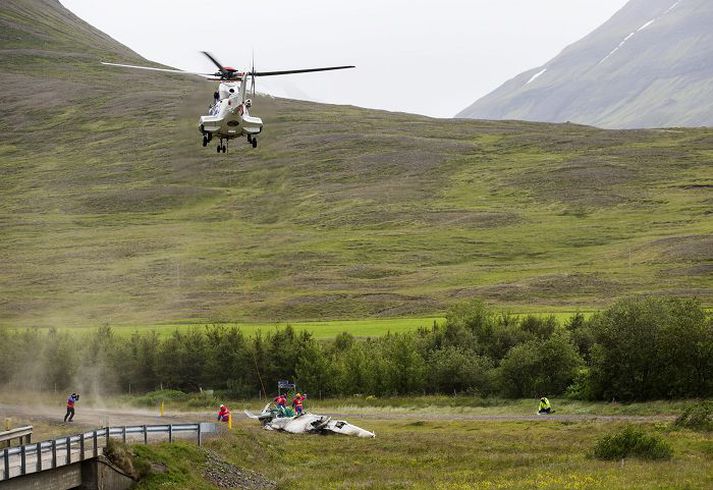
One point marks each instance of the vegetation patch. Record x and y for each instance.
(632, 442)
(121, 455)
(697, 417)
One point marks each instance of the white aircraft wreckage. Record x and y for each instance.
(307, 423)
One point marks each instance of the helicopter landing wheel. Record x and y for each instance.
(250, 138)
(217, 148)
(225, 148)
(205, 141)
(254, 142)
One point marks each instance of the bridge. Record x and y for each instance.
(77, 461)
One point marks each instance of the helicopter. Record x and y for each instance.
(229, 113)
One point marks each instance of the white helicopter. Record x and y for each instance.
(229, 114)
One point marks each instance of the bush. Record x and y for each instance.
(632, 442)
(698, 417)
(122, 457)
(538, 366)
(652, 348)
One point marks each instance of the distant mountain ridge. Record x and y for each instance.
(648, 66)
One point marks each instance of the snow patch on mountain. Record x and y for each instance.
(647, 24)
(536, 76)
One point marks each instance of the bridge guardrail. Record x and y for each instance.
(22, 433)
(59, 451)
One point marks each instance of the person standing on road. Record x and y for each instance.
(73, 398)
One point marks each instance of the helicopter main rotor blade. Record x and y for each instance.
(165, 70)
(307, 70)
(215, 62)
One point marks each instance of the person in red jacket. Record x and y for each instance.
(297, 403)
(223, 414)
(280, 402)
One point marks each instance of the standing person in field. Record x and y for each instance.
(280, 402)
(297, 403)
(544, 406)
(73, 398)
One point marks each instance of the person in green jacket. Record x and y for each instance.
(544, 407)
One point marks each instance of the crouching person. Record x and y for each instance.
(544, 407)
(223, 414)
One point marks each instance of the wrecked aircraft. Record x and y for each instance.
(306, 423)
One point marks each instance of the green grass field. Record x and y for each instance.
(451, 451)
(414, 453)
(321, 330)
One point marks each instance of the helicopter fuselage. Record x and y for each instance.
(229, 116)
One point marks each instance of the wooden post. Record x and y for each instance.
(107, 437)
(161, 409)
(81, 446)
(200, 441)
(69, 451)
(170, 433)
(54, 453)
(146, 436)
(95, 440)
(123, 434)
(38, 452)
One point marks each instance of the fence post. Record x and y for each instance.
(6, 464)
(69, 451)
(123, 434)
(54, 453)
(95, 440)
(146, 436)
(81, 446)
(38, 452)
(107, 437)
(170, 432)
(23, 460)
(199, 435)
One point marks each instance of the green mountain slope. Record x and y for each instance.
(111, 211)
(648, 66)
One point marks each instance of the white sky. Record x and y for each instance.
(417, 56)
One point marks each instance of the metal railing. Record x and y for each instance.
(22, 433)
(50, 454)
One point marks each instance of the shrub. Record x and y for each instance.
(698, 417)
(632, 442)
(120, 455)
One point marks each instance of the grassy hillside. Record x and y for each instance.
(111, 211)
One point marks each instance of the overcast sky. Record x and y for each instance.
(417, 56)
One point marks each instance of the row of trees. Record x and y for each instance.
(639, 349)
